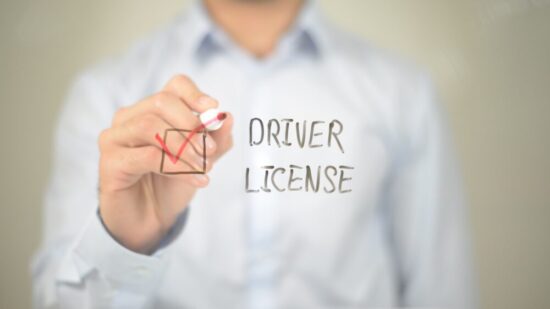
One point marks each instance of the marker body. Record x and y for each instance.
(212, 119)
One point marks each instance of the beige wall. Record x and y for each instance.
(489, 57)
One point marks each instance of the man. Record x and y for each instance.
(330, 184)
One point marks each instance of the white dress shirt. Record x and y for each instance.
(386, 227)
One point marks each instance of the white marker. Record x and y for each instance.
(212, 119)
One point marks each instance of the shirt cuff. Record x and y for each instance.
(174, 232)
(124, 268)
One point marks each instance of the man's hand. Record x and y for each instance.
(137, 204)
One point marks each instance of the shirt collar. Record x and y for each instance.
(202, 35)
(311, 23)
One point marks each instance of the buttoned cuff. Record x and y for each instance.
(124, 268)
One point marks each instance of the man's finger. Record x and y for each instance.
(149, 130)
(144, 160)
(184, 88)
(223, 136)
(163, 104)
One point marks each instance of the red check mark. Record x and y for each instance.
(175, 158)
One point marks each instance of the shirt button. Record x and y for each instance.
(108, 296)
(142, 271)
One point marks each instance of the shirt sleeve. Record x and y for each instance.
(428, 216)
(79, 264)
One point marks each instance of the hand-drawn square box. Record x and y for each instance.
(184, 167)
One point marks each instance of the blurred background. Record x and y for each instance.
(490, 59)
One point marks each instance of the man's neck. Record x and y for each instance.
(256, 25)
